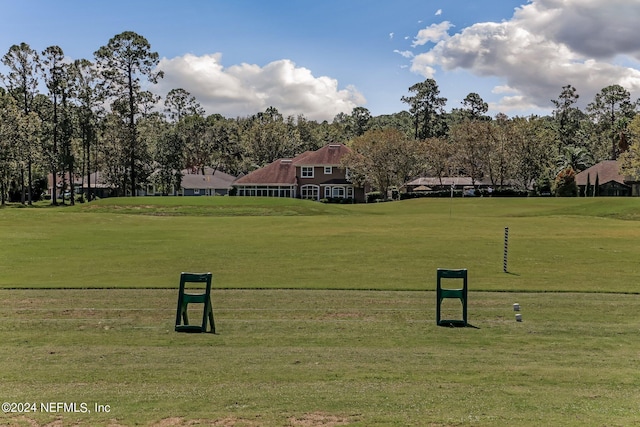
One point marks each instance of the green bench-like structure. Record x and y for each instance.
(458, 293)
(184, 299)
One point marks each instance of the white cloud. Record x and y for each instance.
(390, 36)
(511, 104)
(593, 28)
(545, 45)
(438, 12)
(423, 64)
(503, 89)
(433, 33)
(246, 89)
(404, 53)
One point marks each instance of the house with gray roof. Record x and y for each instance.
(211, 183)
(195, 182)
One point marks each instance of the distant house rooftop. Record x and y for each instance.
(606, 171)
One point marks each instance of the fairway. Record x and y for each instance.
(325, 315)
(554, 244)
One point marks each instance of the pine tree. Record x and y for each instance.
(588, 187)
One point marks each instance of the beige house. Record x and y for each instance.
(208, 182)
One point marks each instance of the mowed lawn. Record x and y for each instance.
(554, 244)
(321, 358)
(325, 314)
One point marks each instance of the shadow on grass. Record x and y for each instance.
(456, 324)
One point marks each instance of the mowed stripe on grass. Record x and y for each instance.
(362, 357)
(554, 244)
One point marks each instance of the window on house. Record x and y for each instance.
(309, 192)
(337, 192)
(328, 170)
(350, 192)
(327, 192)
(196, 191)
(286, 192)
(307, 171)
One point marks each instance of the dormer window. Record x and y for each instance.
(328, 170)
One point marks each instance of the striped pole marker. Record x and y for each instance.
(506, 249)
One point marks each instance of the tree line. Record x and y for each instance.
(540, 154)
(73, 118)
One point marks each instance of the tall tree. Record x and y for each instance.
(500, 166)
(112, 154)
(166, 150)
(567, 117)
(590, 136)
(611, 109)
(270, 137)
(312, 134)
(168, 155)
(426, 107)
(10, 123)
(23, 63)
(360, 118)
(340, 128)
(226, 143)
(192, 130)
(179, 103)
(532, 150)
(385, 158)
(67, 130)
(88, 99)
(630, 159)
(124, 61)
(54, 77)
(437, 157)
(472, 142)
(148, 102)
(475, 107)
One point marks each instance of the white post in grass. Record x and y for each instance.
(506, 249)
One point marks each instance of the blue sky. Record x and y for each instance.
(318, 58)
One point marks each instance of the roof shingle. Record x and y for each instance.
(280, 172)
(606, 171)
(211, 179)
(283, 171)
(329, 155)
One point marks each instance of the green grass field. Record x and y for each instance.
(325, 314)
(554, 244)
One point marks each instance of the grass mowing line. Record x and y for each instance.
(505, 291)
(572, 361)
(87, 309)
